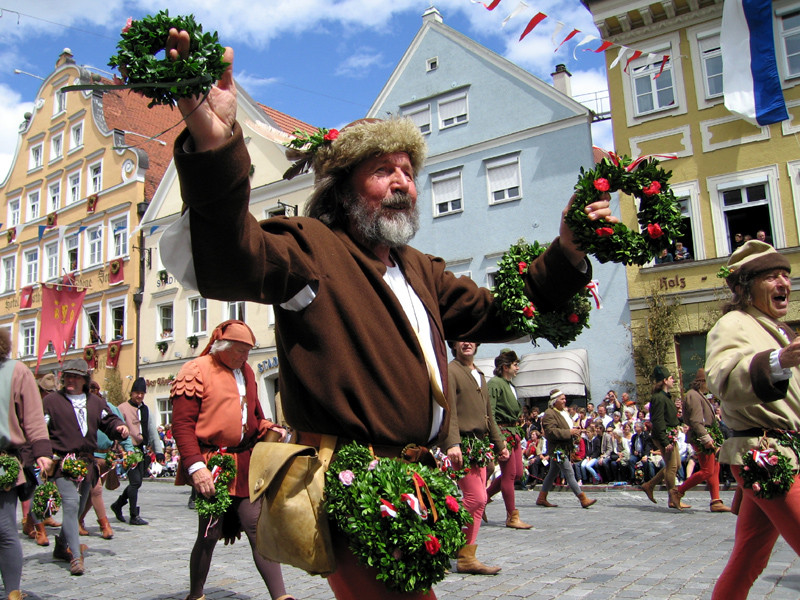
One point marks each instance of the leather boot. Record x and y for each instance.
(15, 595)
(718, 506)
(51, 522)
(105, 528)
(542, 501)
(135, 518)
(647, 488)
(81, 528)
(27, 527)
(41, 535)
(675, 496)
(514, 522)
(586, 502)
(467, 563)
(116, 508)
(61, 551)
(76, 566)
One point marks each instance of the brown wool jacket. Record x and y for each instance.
(350, 361)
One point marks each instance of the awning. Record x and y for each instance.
(567, 370)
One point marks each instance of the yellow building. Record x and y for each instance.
(82, 176)
(730, 176)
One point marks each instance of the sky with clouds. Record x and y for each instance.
(322, 61)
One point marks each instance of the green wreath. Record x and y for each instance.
(475, 451)
(513, 436)
(223, 469)
(74, 468)
(717, 437)
(767, 472)
(659, 215)
(131, 459)
(46, 500)
(372, 501)
(9, 472)
(158, 78)
(559, 327)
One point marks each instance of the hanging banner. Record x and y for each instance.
(116, 274)
(112, 358)
(26, 297)
(60, 309)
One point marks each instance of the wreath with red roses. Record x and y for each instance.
(659, 215)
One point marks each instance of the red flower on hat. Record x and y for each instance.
(432, 545)
(652, 189)
(601, 184)
(573, 318)
(128, 24)
(529, 310)
(604, 231)
(522, 265)
(654, 230)
(331, 135)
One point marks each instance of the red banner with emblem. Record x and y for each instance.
(26, 297)
(60, 309)
(112, 355)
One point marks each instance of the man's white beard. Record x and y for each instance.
(384, 226)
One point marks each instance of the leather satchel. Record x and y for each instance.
(293, 525)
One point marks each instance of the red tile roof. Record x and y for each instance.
(285, 122)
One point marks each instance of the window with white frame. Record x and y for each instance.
(746, 210)
(165, 321)
(27, 338)
(447, 192)
(72, 252)
(165, 410)
(13, 212)
(711, 60)
(432, 64)
(33, 205)
(687, 237)
(9, 273)
(54, 196)
(94, 242)
(197, 315)
(51, 260)
(235, 310)
(420, 114)
(36, 157)
(76, 136)
(74, 185)
(31, 266)
(119, 228)
(59, 102)
(56, 146)
(453, 110)
(652, 91)
(790, 38)
(93, 330)
(116, 320)
(95, 177)
(503, 179)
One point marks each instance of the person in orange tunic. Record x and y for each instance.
(216, 409)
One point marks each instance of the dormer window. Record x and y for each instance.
(432, 64)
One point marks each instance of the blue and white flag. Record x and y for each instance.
(750, 78)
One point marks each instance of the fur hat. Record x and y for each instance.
(660, 373)
(140, 385)
(752, 258)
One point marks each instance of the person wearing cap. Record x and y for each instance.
(664, 418)
(698, 412)
(215, 409)
(470, 416)
(23, 426)
(73, 416)
(753, 367)
(561, 436)
(344, 281)
(142, 426)
(507, 412)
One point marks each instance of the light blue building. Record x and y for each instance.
(505, 150)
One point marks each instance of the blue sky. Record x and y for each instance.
(322, 61)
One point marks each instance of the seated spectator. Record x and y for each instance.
(609, 453)
(623, 457)
(681, 252)
(577, 456)
(588, 464)
(664, 257)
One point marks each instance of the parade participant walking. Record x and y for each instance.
(753, 367)
(73, 416)
(215, 410)
(325, 273)
(664, 417)
(23, 425)
(471, 420)
(507, 411)
(561, 437)
(698, 412)
(144, 433)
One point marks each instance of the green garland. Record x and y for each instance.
(476, 452)
(559, 327)
(137, 61)
(9, 472)
(223, 468)
(513, 436)
(74, 468)
(717, 438)
(131, 459)
(659, 215)
(767, 472)
(46, 500)
(370, 501)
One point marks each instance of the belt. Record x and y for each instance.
(756, 432)
(248, 445)
(412, 453)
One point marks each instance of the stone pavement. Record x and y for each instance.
(622, 547)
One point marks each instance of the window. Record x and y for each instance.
(33, 205)
(235, 310)
(165, 410)
(453, 110)
(687, 239)
(13, 212)
(9, 273)
(432, 64)
(790, 35)
(116, 320)
(711, 58)
(652, 93)
(71, 246)
(76, 136)
(447, 194)
(421, 116)
(119, 227)
(691, 355)
(503, 178)
(59, 102)
(197, 316)
(95, 178)
(745, 210)
(53, 197)
(36, 158)
(165, 321)
(93, 324)
(31, 266)
(74, 185)
(94, 240)
(51, 260)
(56, 146)
(27, 338)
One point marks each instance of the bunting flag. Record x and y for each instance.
(116, 273)
(26, 297)
(112, 356)
(60, 309)
(750, 80)
(533, 23)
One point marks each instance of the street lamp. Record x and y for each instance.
(20, 72)
(289, 209)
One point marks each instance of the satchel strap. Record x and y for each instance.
(327, 445)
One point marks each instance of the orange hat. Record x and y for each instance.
(233, 331)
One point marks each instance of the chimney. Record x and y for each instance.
(432, 14)
(561, 80)
(65, 58)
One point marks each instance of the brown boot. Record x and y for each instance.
(467, 563)
(41, 535)
(51, 522)
(586, 502)
(718, 506)
(514, 522)
(675, 496)
(542, 501)
(27, 527)
(647, 488)
(76, 566)
(81, 528)
(105, 528)
(15, 595)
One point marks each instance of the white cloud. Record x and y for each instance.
(12, 110)
(358, 64)
(253, 83)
